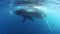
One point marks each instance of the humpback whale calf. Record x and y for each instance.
(29, 13)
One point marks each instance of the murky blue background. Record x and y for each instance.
(11, 24)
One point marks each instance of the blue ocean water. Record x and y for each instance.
(11, 24)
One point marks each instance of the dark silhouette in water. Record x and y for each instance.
(20, 2)
(28, 15)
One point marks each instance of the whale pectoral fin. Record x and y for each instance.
(23, 20)
(27, 18)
